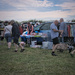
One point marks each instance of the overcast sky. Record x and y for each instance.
(37, 9)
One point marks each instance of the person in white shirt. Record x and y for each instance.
(54, 36)
(8, 33)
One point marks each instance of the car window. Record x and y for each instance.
(1, 23)
(37, 27)
(46, 27)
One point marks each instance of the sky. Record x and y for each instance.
(21, 10)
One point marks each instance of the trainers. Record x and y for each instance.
(8, 48)
(53, 54)
(22, 50)
(15, 51)
(71, 55)
(70, 50)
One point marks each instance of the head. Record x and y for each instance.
(56, 22)
(29, 24)
(23, 25)
(61, 20)
(12, 21)
(37, 24)
(9, 23)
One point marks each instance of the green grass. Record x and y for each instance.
(35, 62)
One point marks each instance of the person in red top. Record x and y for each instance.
(21, 30)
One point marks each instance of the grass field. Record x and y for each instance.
(35, 62)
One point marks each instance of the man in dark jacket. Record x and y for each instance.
(15, 34)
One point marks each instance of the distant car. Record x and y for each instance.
(1, 30)
(24, 27)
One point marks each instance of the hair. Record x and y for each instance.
(62, 19)
(28, 22)
(12, 21)
(56, 21)
(9, 23)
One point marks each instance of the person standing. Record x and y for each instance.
(54, 36)
(63, 27)
(15, 34)
(8, 34)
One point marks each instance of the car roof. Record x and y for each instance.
(65, 22)
(70, 22)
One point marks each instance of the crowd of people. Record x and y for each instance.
(56, 33)
(14, 30)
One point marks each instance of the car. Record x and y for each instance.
(1, 30)
(42, 28)
(45, 28)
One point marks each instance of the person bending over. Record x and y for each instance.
(29, 28)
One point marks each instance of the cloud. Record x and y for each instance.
(24, 4)
(67, 5)
(27, 15)
(33, 14)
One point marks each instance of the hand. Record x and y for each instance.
(60, 35)
(61, 31)
(2, 35)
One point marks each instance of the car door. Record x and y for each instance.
(45, 28)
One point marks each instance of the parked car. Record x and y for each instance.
(1, 30)
(45, 28)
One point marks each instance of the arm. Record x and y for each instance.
(4, 32)
(60, 31)
(27, 30)
(62, 27)
(56, 30)
(32, 30)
